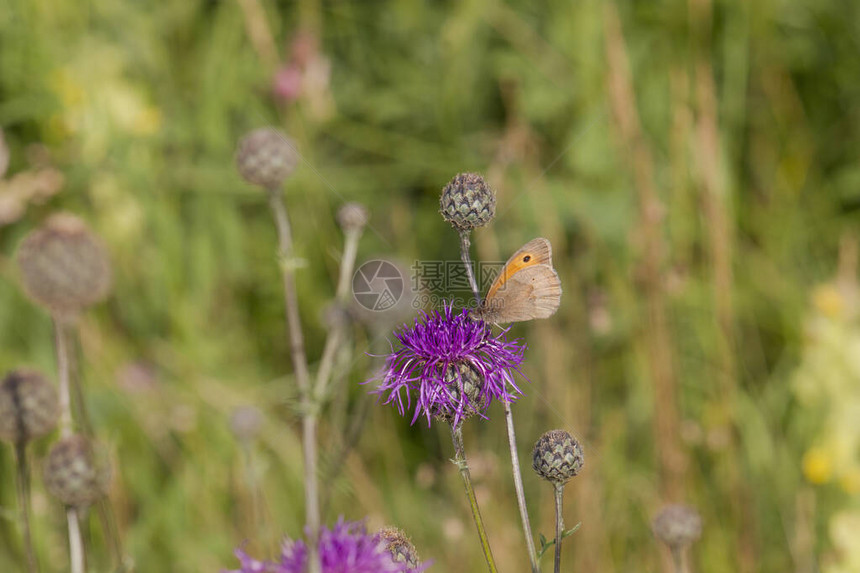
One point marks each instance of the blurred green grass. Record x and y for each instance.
(140, 105)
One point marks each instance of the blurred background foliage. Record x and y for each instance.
(695, 165)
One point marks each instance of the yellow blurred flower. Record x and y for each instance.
(148, 121)
(70, 91)
(828, 300)
(850, 481)
(129, 111)
(817, 466)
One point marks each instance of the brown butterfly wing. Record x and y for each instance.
(536, 252)
(533, 292)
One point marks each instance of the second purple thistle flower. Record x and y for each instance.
(451, 365)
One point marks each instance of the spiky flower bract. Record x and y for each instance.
(345, 548)
(429, 364)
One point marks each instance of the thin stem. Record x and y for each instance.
(465, 243)
(253, 486)
(678, 559)
(518, 485)
(85, 426)
(76, 541)
(108, 523)
(287, 263)
(78, 405)
(515, 462)
(300, 365)
(62, 350)
(23, 488)
(559, 525)
(336, 334)
(463, 465)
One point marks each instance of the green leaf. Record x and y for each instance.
(570, 531)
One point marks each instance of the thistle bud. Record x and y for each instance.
(266, 157)
(28, 406)
(64, 266)
(446, 410)
(401, 548)
(71, 473)
(677, 525)
(557, 457)
(352, 217)
(467, 202)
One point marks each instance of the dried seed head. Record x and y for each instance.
(677, 525)
(400, 546)
(72, 474)
(467, 202)
(246, 422)
(557, 457)
(352, 217)
(472, 383)
(266, 157)
(28, 406)
(64, 266)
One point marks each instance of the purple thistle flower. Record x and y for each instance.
(345, 548)
(454, 364)
(250, 565)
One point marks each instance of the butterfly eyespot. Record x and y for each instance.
(527, 258)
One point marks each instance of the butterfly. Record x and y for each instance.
(526, 288)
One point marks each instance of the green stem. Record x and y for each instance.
(465, 243)
(337, 333)
(463, 465)
(518, 486)
(85, 426)
(559, 525)
(77, 559)
(300, 366)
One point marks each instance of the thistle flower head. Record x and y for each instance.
(557, 457)
(452, 365)
(72, 473)
(345, 548)
(677, 525)
(29, 407)
(467, 202)
(64, 266)
(266, 157)
(352, 217)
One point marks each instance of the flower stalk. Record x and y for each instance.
(337, 332)
(463, 465)
(465, 244)
(509, 424)
(300, 366)
(518, 486)
(77, 556)
(559, 525)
